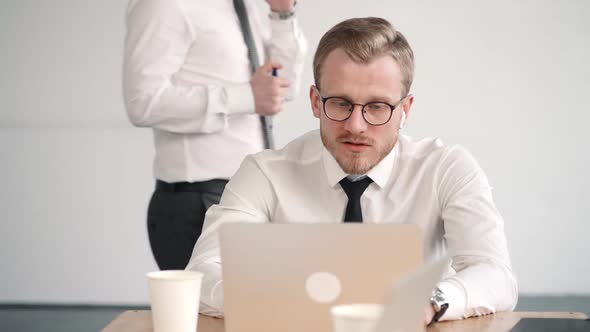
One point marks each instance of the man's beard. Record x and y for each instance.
(356, 164)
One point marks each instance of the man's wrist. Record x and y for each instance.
(282, 14)
(439, 304)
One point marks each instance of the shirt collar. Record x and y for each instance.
(380, 174)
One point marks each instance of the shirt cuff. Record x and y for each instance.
(456, 298)
(217, 296)
(214, 307)
(283, 26)
(239, 99)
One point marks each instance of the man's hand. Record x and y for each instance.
(428, 314)
(269, 91)
(281, 5)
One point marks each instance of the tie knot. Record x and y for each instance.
(355, 189)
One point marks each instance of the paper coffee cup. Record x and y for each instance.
(174, 298)
(359, 317)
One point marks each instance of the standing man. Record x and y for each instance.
(359, 168)
(192, 73)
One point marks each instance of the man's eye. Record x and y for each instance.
(377, 107)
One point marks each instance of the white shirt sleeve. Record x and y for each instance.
(248, 197)
(288, 46)
(159, 37)
(474, 232)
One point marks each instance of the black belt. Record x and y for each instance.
(214, 186)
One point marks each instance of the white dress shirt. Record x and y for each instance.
(187, 74)
(424, 182)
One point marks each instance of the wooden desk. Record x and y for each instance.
(141, 321)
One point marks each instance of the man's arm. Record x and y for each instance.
(287, 45)
(248, 197)
(158, 40)
(474, 233)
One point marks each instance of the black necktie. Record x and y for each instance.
(354, 190)
(253, 56)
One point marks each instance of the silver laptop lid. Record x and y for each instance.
(406, 301)
(285, 277)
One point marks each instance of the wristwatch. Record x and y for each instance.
(284, 15)
(439, 304)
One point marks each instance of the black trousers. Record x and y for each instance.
(175, 219)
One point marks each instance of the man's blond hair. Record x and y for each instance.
(363, 40)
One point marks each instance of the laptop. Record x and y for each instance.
(405, 303)
(285, 277)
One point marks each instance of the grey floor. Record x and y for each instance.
(29, 318)
(25, 318)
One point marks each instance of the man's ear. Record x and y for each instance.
(315, 100)
(406, 108)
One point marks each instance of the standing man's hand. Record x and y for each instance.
(269, 91)
(281, 5)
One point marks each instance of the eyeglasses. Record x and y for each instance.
(376, 113)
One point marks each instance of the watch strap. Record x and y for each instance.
(438, 314)
(283, 15)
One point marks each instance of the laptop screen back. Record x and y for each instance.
(406, 301)
(285, 277)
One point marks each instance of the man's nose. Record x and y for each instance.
(356, 122)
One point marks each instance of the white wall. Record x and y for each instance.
(507, 79)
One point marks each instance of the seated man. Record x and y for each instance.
(358, 168)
